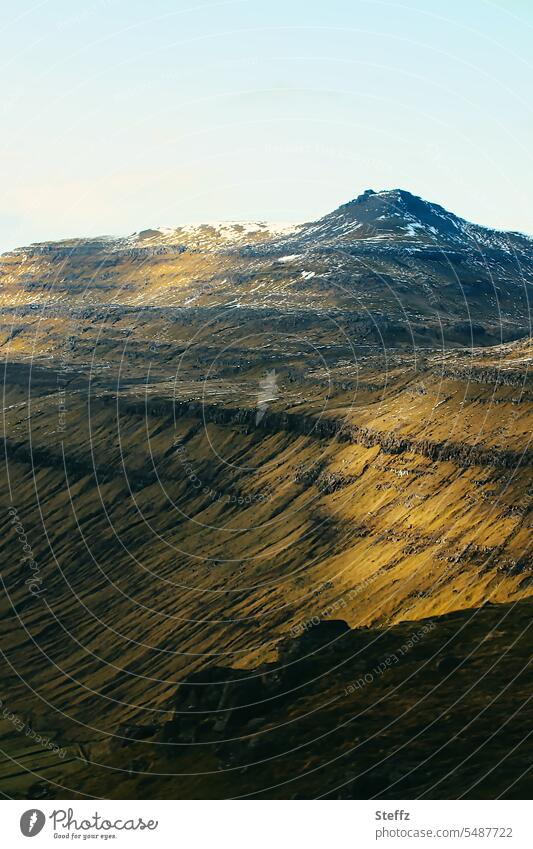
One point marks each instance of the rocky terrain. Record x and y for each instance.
(244, 467)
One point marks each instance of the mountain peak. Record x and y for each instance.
(394, 214)
(399, 197)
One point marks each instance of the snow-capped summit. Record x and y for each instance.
(396, 215)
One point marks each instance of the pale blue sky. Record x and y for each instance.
(117, 115)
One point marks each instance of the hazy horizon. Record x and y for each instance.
(176, 225)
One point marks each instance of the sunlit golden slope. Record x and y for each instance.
(191, 534)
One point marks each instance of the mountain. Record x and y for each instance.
(243, 466)
(399, 216)
(390, 266)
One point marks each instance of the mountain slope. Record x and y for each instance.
(403, 267)
(437, 709)
(220, 438)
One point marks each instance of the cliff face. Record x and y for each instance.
(461, 454)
